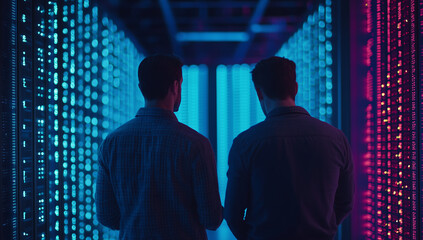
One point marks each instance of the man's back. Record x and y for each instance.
(163, 177)
(289, 171)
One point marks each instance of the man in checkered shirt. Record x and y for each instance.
(157, 177)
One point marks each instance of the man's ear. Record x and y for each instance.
(259, 93)
(174, 87)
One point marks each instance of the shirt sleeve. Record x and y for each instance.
(237, 191)
(206, 189)
(345, 192)
(107, 208)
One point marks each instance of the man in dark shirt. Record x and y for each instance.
(290, 176)
(157, 177)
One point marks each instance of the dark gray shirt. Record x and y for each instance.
(157, 180)
(294, 175)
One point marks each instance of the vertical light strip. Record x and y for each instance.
(40, 146)
(182, 114)
(222, 126)
(236, 107)
(420, 121)
(53, 126)
(244, 86)
(9, 124)
(193, 97)
(203, 99)
(369, 138)
(414, 28)
(193, 110)
(27, 83)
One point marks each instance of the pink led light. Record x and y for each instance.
(390, 196)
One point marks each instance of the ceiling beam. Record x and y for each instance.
(243, 47)
(171, 26)
(216, 4)
(235, 21)
(233, 4)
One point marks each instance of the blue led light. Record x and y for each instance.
(222, 96)
(313, 55)
(193, 110)
(237, 109)
(90, 89)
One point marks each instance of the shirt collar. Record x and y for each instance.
(156, 112)
(287, 110)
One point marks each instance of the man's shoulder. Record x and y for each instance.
(325, 128)
(265, 129)
(125, 127)
(171, 128)
(252, 133)
(114, 134)
(189, 133)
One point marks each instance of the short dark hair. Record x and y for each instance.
(276, 77)
(157, 73)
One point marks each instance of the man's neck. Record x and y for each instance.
(273, 104)
(158, 104)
